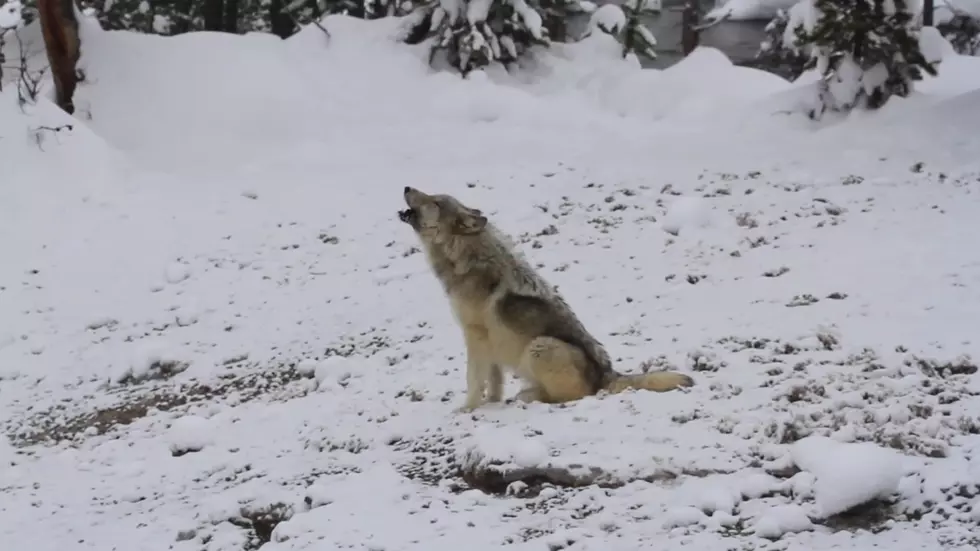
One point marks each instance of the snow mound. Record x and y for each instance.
(847, 474)
(782, 520)
(190, 433)
(704, 85)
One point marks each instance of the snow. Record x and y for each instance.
(190, 433)
(224, 271)
(782, 520)
(847, 474)
(609, 17)
(10, 15)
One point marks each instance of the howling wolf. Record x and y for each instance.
(511, 318)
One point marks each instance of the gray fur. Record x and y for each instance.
(510, 316)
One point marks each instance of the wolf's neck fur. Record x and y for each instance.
(487, 254)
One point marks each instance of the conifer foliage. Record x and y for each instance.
(963, 32)
(779, 52)
(472, 34)
(866, 50)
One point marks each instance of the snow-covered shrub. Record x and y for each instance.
(470, 34)
(779, 51)
(624, 24)
(963, 32)
(866, 50)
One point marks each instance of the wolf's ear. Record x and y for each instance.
(470, 223)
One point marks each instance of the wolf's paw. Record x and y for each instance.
(468, 406)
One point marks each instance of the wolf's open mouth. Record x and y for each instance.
(406, 215)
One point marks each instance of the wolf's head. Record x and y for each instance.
(440, 216)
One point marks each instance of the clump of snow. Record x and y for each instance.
(847, 474)
(781, 520)
(150, 359)
(330, 373)
(11, 15)
(686, 212)
(934, 46)
(190, 433)
(710, 494)
(504, 448)
(683, 516)
(307, 367)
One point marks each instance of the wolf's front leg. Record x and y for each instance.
(478, 368)
(495, 390)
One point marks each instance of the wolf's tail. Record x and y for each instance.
(660, 381)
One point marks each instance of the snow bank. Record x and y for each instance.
(51, 163)
(847, 474)
(782, 520)
(703, 86)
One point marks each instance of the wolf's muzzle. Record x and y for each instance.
(407, 216)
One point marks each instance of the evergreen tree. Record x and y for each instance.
(963, 32)
(779, 52)
(470, 34)
(866, 50)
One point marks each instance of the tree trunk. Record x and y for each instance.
(928, 10)
(214, 15)
(231, 16)
(60, 30)
(689, 20)
(281, 23)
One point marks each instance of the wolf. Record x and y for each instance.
(512, 320)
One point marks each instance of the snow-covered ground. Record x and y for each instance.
(215, 334)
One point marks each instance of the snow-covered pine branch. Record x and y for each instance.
(962, 30)
(472, 34)
(866, 50)
(779, 52)
(624, 24)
